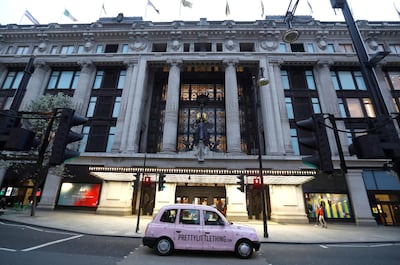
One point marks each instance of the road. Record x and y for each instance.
(27, 245)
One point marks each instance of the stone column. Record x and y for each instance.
(232, 108)
(236, 204)
(37, 83)
(172, 108)
(359, 198)
(139, 83)
(124, 116)
(49, 194)
(84, 88)
(271, 112)
(326, 93)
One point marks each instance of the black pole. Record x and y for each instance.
(19, 94)
(367, 68)
(263, 195)
(343, 166)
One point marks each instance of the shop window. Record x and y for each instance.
(336, 206)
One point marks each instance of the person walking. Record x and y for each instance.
(321, 217)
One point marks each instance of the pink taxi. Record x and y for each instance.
(198, 227)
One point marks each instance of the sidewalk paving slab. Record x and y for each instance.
(125, 226)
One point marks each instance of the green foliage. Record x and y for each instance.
(46, 103)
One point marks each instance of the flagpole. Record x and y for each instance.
(22, 17)
(180, 7)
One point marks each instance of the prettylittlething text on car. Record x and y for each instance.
(198, 227)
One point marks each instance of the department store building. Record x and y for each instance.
(181, 98)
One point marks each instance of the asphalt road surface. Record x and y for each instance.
(27, 245)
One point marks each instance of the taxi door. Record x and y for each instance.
(188, 231)
(217, 235)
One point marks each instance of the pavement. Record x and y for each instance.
(125, 226)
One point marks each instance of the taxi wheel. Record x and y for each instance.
(164, 246)
(244, 249)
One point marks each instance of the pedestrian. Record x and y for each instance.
(321, 217)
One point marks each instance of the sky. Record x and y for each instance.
(88, 11)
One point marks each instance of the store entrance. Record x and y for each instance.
(207, 195)
(387, 211)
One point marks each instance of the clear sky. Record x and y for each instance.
(87, 11)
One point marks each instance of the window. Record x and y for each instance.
(91, 107)
(219, 47)
(117, 105)
(282, 47)
(159, 47)
(111, 48)
(81, 49)
(246, 47)
(84, 140)
(169, 216)
(295, 141)
(99, 48)
(67, 49)
(202, 47)
(186, 47)
(22, 50)
(125, 48)
(98, 79)
(285, 79)
(310, 48)
(348, 80)
(53, 49)
(212, 218)
(63, 79)
(297, 47)
(394, 48)
(110, 141)
(121, 79)
(347, 48)
(330, 48)
(289, 108)
(12, 80)
(189, 216)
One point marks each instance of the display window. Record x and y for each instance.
(336, 206)
(79, 194)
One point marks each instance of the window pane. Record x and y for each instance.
(121, 80)
(75, 80)
(83, 142)
(289, 108)
(346, 80)
(395, 80)
(282, 47)
(98, 80)
(316, 106)
(53, 79)
(335, 81)
(342, 108)
(65, 79)
(285, 79)
(360, 80)
(369, 107)
(110, 140)
(354, 106)
(310, 80)
(17, 79)
(295, 142)
(91, 107)
(117, 105)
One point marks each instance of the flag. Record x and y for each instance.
(262, 8)
(30, 17)
(103, 9)
(309, 6)
(397, 10)
(227, 10)
(186, 3)
(153, 6)
(68, 14)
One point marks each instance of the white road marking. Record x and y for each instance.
(358, 245)
(51, 243)
(8, 249)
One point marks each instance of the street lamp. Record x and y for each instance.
(262, 81)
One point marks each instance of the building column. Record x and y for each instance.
(359, 198)
(37, 83)
(124, 116)
(326, 93)
(84, 88)
(172, 108)
(139, 85)
(287, 204)
(232, 108)
(276, 88)
(236, 204)
(50, 190)
(271, 113)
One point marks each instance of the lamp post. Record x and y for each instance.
(261, 82)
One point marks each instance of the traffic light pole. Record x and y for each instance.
(263, 195)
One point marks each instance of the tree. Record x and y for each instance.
(39, 124)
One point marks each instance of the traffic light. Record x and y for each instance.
(161, 182)
(366, 146)
(384, 129)
(12, 136)
(147, 181)
(241, 183)
(64, 136)
(257, 182)
(136, 181)
(318, 143)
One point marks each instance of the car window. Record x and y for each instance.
(168, 216)
(189, 216)
(212, 218)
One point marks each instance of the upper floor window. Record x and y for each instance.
(99, 48)
(12, 80)
(22, 50)
(348, 80)
(246, 47)
(81, 49)
(109, 79)
(53, 49)
(310, 47)
(394, 48)
(330, 48)
(282, 47)
(297, 47)
(63, 79)
(125, 48)
(111, 48)
(159, 47)
(67, 49)
(347, 48)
